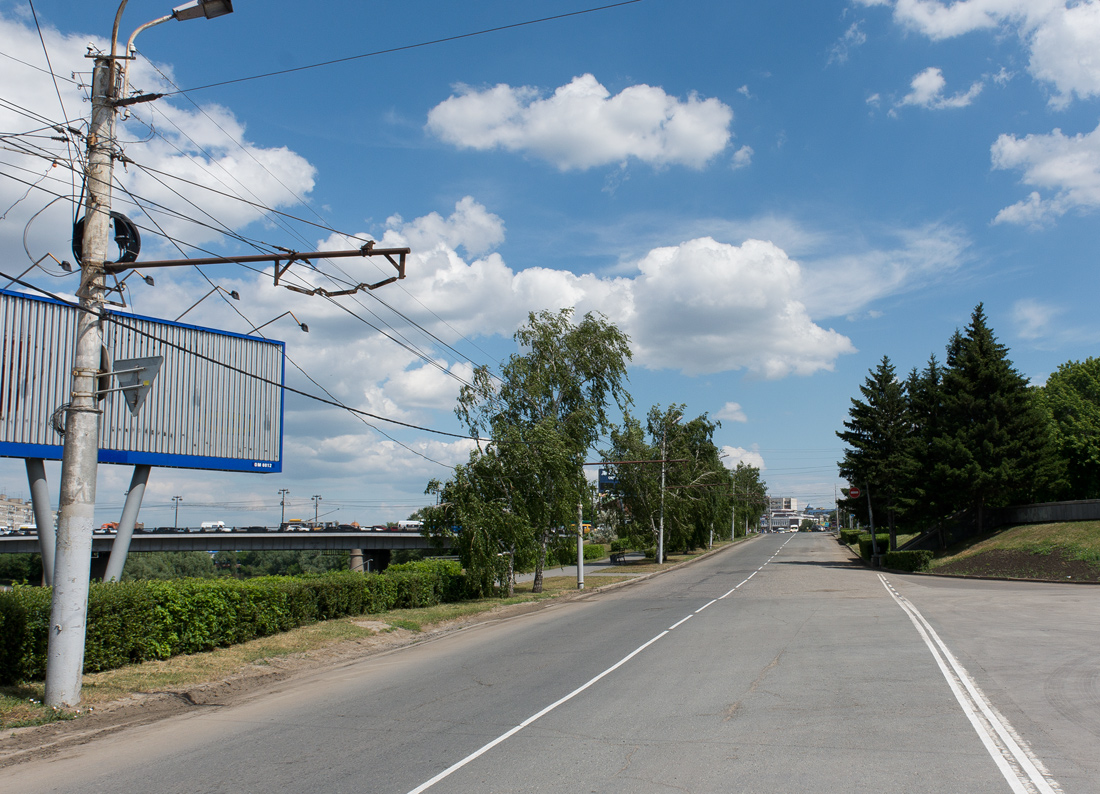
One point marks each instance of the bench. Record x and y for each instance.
(618, 558)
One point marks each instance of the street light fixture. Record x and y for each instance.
(176, 520)
(301, 325)
(231, 293)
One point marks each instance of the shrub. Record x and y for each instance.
(622, 544)
(850, 537)
(914, 560)
(133, 621)
(865, 548)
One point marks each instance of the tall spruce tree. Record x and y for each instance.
(994, 439)
(877, 437)
(922, 498)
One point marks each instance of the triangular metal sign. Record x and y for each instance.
(136, 376)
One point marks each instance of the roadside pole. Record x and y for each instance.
(73, 556)
(580, 545)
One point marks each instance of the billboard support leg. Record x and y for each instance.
(121, 545)
(40, 500)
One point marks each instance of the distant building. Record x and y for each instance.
(15, 513)
(783, 514)
(782, 503)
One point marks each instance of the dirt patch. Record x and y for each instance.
(1020, 564)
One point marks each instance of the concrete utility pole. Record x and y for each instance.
(316, 505)
(282, 505)
(73, 555)
(176, 519)
(80, 455)
(580, 545)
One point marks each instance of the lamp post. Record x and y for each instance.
(661, 531)
(72, 558)
(316, 504)
(176, 520)
(282, 505)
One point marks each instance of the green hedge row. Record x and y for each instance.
(130, 622)
(915, 560)
(850, 537)
(865, 547)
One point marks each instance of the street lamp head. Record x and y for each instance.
(202, 8)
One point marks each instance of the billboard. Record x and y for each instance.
(178, 395)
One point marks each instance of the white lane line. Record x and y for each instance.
(1023, 770)
(704, 606)
(455, 767)
(478, 753)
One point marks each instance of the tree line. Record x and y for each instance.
(969, 434)
(523, 492)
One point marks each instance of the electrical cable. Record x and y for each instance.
(407, 47)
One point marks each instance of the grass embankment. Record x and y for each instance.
(1061, 551)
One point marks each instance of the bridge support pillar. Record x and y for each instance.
(355, 560)
(375, 560)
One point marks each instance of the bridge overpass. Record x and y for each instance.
(364, 546)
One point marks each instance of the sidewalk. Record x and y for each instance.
(590, 569)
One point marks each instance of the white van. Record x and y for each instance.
(215, 526)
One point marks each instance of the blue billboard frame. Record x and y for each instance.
(46, 451)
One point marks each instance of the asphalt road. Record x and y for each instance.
(775, 666)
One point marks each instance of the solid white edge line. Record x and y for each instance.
(1021, 751)
(477, 753)
(1029, 777)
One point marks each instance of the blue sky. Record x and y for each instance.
(767, 197)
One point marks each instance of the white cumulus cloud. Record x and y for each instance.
(1068, 165)
(927, 92)
(582, 125)
(1062, 36)
(750, 457)
(732, 412)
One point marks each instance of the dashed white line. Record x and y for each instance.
(486, 748)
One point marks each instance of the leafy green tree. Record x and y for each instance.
(543, 413)
(994, 439)
(168, 565)
(638, 497)
(750, 496)
(877, 435)
(1071, 398)
(697, 499)
(475, 517)
(17, 568)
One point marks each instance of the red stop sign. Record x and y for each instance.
(853, 493)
